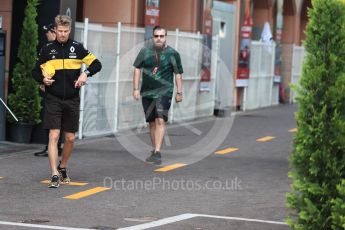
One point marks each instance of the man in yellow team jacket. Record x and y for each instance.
(58, 68)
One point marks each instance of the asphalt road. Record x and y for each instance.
(243, 188)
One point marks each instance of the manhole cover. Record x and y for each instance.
(35, 221)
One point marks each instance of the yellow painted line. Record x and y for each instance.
(70, 183)
(226, 151)
(264, 139)
(293, 130)
(86, 193)
(170, 167)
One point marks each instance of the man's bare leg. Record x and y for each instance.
(54, 135)
(67, 148)
(152, 134)
(159, 133)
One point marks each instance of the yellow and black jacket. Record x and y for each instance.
(64, 62)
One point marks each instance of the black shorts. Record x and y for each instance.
(61, 114)
(156, 108)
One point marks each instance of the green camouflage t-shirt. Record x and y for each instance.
(161, 83)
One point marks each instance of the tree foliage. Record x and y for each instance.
(25, 101)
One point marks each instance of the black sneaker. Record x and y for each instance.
(43, 153)
(64, 178)
(54, 182)
(155, 158)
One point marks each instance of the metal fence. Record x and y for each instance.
(259, 92)
(298, 53)
(107, 105)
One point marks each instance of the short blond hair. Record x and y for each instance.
(63, 20)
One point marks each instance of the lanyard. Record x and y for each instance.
(157, 59)
(157, 64)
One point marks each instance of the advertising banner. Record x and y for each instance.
(205, 73)
(246, 36)
(151, 17)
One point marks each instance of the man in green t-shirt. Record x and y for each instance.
(158, 64)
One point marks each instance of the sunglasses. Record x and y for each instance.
(159, 36)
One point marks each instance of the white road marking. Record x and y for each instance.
(243, 219)
(40, 226)
(192, 129)
(187, 216)
(152, 224)
(160, 222)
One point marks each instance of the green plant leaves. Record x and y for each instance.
(318, 159)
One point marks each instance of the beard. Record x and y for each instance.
(160, 45)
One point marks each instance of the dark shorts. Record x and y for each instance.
(156, 108)
(61, 114)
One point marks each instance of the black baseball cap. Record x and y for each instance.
(49, 27)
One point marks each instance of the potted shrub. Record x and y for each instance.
(24, 98)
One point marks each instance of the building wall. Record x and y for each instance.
(185, 15)
(260, 16)
(182, 14)
(109, 12)
(291, 36)
(289, 32)
(6, 13)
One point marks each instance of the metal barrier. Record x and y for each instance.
(298, 53)
(260, 83)
(107, 103)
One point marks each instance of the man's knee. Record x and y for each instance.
(69, 138)
(54, 135)
(160, 122)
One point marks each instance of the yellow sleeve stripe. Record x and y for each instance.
(72, 63)
(88, 59)
(60, 64)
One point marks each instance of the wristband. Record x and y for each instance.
(87, 73)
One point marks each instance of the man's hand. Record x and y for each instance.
(48, 81)
(136, 94)
(178, 97)
(81, 80)
(42, 87)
